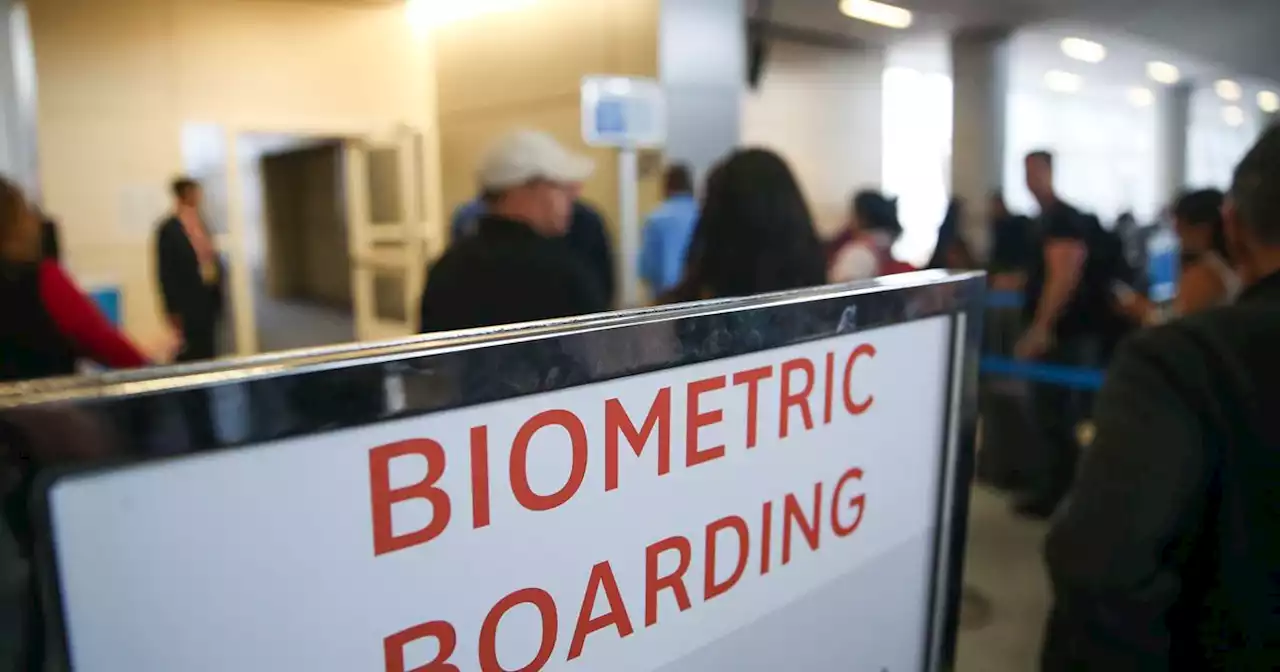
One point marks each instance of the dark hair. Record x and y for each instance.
(183, 186)
(1201, 209)
(1041, 155)
(876, 212)
(948, 234)
(677, 180)
(755, 233)
(13, 207)
(1256, 185)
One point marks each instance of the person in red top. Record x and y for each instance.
(864, 250)
(48, 324)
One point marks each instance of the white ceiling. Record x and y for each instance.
(1223, 37)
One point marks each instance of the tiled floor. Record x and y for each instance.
(1003, 565)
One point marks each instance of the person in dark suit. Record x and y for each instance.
(191, 274)
(1166, 555)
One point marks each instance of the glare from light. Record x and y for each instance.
(901, 74)
(1084, 50)
(1228, 90)
(1062, 81)
(428, 14)
(1140, 96)
(1233, 115)
(1269, 102)
(1163, 73)
(879, 13)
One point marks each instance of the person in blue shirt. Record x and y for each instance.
(667, 232)
(465, 216)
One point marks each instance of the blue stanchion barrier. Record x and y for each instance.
(108, 300)
(998, 364)
(1067, 376)
(998, 298)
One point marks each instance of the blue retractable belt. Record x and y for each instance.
(1004, 299)
(1074, 377)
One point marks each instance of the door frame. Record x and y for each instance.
(234, 243)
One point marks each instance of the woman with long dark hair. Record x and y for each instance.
(951, 251)
(48, 323)
(1207, 279)
(868, 251)
(755, 233)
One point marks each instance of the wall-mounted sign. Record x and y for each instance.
(623, 112)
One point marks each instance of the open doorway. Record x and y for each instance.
(296, 239)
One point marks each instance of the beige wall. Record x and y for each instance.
(118, 79)
(821, 109)
(523, 69)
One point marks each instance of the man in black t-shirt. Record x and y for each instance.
(1060, 306)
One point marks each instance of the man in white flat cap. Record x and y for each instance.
(516, 268)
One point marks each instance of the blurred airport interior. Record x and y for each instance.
(337, 145)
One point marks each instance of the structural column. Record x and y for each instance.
(1173, 119)
(980, 87)
(702, 65)
(17, 98)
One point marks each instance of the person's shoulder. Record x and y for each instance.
(1064, 221)
(1194, 342)
(459, 258)
(585, 214)
(169, 225)
(673, 213)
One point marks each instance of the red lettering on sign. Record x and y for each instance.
(479, 476)
(616, 421)
(858, 502)
(444, 634)
(654, 584)
(792, 513)
(546, 606)
(696, 419)
(711, 587)
(855, 407)
(382, 496)
(751, 378)
(520, 460)
(790, 399)
(829, 385)
(766, 537)
(601, 577)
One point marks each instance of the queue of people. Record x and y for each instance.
(1164, 550)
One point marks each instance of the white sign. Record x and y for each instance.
(773, 511)
(623, 112)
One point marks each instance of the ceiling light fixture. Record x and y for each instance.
(1062, 81)
(1084, 50)
(1140, 96)
(1228, 90)
(1233, 116)
(1269, 102)
(879, 13)
(1164, 73)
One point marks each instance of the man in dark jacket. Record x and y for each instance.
(1167, 553)
(586, 236)
(517, 267)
